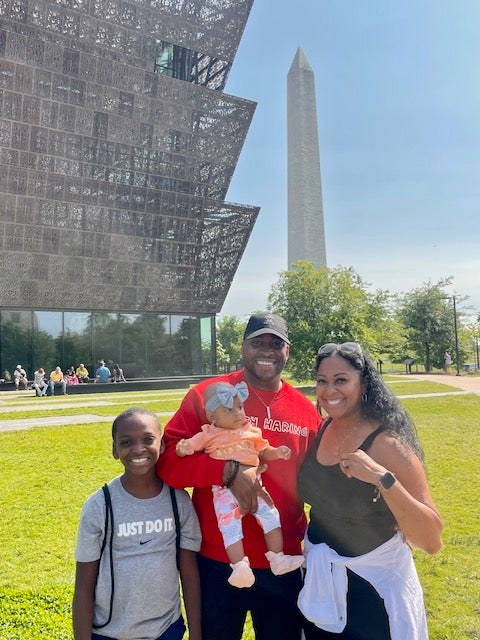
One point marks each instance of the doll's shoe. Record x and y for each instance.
(280, 563)
(241, 576)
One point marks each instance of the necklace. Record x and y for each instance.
(341, 442)
(267, 406)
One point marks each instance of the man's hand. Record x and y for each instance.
(247, 489)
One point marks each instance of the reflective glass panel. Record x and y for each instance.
(15, 341)
(78, 340)
(47, 340)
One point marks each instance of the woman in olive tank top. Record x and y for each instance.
(365, 482)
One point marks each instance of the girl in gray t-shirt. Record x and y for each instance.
(146, 597)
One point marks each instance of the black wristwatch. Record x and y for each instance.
(387, 480)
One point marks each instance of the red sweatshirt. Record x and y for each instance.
(293, 421)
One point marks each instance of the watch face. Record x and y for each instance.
(387, 480)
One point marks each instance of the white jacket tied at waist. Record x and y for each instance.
(390, 570)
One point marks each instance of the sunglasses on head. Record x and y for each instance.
(347, 347)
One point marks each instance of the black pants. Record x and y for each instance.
(366, 615)
(272, 602)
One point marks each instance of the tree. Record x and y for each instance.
(223, 361)
(428, 318)
(230, 332)
(472, 333)
(328, 305)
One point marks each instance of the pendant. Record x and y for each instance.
(268, 412)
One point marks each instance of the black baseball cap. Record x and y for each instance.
(261, 323)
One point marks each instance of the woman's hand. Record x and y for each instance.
(408, 498)
(361, 466)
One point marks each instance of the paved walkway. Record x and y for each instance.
(11, 401)
(465, 383)
(24, 402)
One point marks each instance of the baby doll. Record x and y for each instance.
(231, 436)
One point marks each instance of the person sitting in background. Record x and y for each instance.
(39, 383)
(365, 481)
(117, 374)
(82, 374)
(20, 377)
(102, 374)
(57, 379)
(71, 376)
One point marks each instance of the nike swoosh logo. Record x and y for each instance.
(145, 541)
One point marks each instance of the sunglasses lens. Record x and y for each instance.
(327, 348)
(346, 347)
(352, 347)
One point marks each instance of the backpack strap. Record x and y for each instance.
(108, 517)
(177, 525)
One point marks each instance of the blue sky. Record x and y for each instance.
(398, 107)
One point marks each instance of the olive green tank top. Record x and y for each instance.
(343, 512)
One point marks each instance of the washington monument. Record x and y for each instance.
(306, 230)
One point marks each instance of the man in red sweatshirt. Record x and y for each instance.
(285, 417)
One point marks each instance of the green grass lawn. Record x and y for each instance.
(416, 387)
(400, 387)
(48, 472)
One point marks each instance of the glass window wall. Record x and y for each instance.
(145, 345)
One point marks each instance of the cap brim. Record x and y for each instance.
(261, 332)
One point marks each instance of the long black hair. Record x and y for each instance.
(378, 402)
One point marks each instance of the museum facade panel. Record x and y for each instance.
(117, 148)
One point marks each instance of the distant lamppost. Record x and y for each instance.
(457, 355)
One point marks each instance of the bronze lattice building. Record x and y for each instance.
(117, 147)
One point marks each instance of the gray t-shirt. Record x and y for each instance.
(146, 598)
